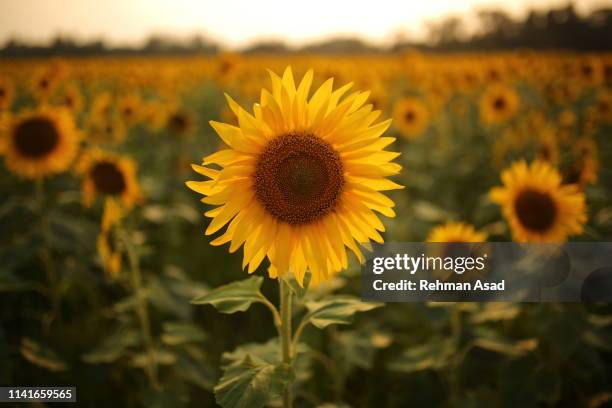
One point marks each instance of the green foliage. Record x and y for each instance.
(336, 310)
(233, 297)
(252, 377)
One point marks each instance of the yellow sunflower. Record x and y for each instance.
(411, 117)
(456, 232)
(43, 84)
(40, 142)
(180, 122)
(7, 93)
(130, 109)
(70, 98)
(498, 104)
(106, 129)
(585, 165)
(106, 242)
(108, 175)
(537, 206)
(300, 179)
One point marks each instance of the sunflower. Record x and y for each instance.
(7, 93)
(106, 242)
(458, 236)
(498, 104)
(180, 122)
(585, 166)
(547, 145)
(106, 129)
(300, 178)
(108, 175)
(130, 109)
(603, 107)
(456, 232)
(411, 117)
(40, 142)
(43, 84)
(154, 115)
(537, 206)
(70, 98)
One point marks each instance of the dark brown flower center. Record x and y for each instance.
(409, 116)
(535, 210)
(107, 178)
(2, 93)
(299, 178)
(36, 137)
(178, 123)
(499, 103)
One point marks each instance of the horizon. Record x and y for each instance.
(140, 20)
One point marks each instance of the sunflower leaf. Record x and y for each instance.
(233, 297)
(336, 310)
(251, 382)
(433, 355)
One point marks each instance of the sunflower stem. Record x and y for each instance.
(285, 335)
(47, 256)
(141, 307)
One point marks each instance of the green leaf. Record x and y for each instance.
(196, 370)
(113, 348)
(177, 333)
(234, 297)
(433, 355)
(336, 310)
(251, 382)
(41, 355)
(160, 355)
(495, 312)
(491, 340)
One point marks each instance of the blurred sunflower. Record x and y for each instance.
(300, 179)
(585, 166)
(106, 242)
(106, 129)
(456, 232)
(40, 142)
(108, 175)
(180, 122)
(537, 206)
(603, 106)
(130, 109)
(7, 93)
(154, 115)
(547, 145)
(411, 117)
(43, 84)
(498, 104)
(70, 98)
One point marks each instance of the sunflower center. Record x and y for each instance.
(299, 178)
(36, 137)
(409, 116)
(499, 103)
(178, 123)
(107, 178)
(535, 210)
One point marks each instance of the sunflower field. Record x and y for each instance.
(189, 231)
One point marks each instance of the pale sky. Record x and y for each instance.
(237, 23)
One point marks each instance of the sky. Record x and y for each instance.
(237, 23)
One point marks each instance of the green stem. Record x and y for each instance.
(47, 256)
(456, 333)
(285, 335)
(142, 308)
